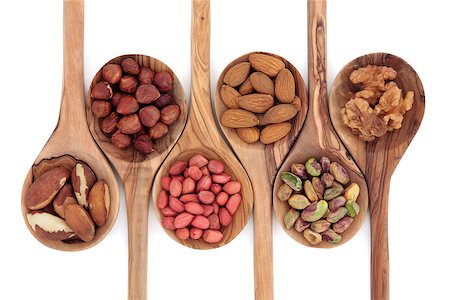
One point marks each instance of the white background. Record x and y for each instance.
(31, 78)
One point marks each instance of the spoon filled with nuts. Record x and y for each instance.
(136, 113)
(70, 197)
(202, 194)
(387, 93)
(320, 195)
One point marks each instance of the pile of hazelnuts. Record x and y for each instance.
(134, 104)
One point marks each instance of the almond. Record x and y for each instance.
(285, 86)
(257, 103)
(238, 118)
(229, 96)
(262, 121)
(237, 74)
(64, 196)
(297, 103)
(49, 226)
(246, 87)
(249, 135)
(45, 187)
(267, 64)
(99, 202)
(262, 83)
(280, 113)
(79, 220)
(274, 132)
(83, 178)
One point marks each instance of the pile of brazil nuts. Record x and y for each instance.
(260, 96)
(135, 105)
(198, 199)
(67, 204)
(322, 200)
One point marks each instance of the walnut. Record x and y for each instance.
(392, 106)
(363, 120)
(372, 80)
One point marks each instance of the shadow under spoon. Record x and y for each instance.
(378, 159)
(71, 140)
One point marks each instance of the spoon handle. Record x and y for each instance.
(73, 114)
(137, 186)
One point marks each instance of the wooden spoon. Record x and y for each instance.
(379, 158)
(201, 136)
(137, 172)
(71, 140)
(262, 162)
(318, 137)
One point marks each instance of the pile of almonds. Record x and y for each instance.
(261, 99)
(135, 105)
(198, 199)
(67, 204)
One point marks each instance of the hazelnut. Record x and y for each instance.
(147, 93)
(101, 108)
(170, 113)
(143, 144)
(130, 66)
(149, 115)
(102, 91)
(112, 73)
(163, 100)
(163, 81)
(120, 139)
(116, 98)
(146, 75)
(127, 105)
(129, 124)
(139, 133)
(158, 131)
(128, 84)
(109, 124)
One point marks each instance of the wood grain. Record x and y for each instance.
(262, 162)
(379, 158)
(201, 136)
(318, 137)
(137, 172)
(71, 141)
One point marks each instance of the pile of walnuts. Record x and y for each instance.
(379, 106)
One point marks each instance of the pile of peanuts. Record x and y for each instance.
(198, 199)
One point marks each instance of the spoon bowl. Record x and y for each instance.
(379, 158)
(71, 141)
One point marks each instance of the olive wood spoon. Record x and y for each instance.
(262, 163)
(318, 137)
(71, 141)
(201, 136)
(378, 159)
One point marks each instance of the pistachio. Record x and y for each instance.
(284, 192)
(298, 201)
(351, 193)
(333, 192)
(313, 167)
(336, 214)
(325, 162)
(320, 226)
(353, 208)
(339, 172)
(301, 225)
(343, 224)
(331, 237)
(327, 180)
(315, 211)
(299, 170)
(309, 191)
(292, 180)
(290, 217)
(337, 202)
(318, 186)
(312, 237)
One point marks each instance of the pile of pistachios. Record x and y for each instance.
(322, 200)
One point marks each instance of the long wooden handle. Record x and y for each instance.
(137, 186)
(73, 113)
